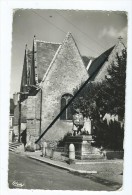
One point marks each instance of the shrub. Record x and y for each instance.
(108, 136)
(61, 142)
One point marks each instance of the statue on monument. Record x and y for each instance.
(78, 122)
(87, 125)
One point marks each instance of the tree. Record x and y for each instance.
(113, 88)
(109, 136)
(108, 96)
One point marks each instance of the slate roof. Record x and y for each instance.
(98, 62)
(24, 74)
(45, 52)
(30, 65)
(41, 55)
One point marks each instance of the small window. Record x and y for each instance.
(67, 114)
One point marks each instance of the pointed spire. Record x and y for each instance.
(34, 38)
(26, 49)
(119, 47)
(34, 43)
(68, 34)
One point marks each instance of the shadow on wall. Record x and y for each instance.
(24, 137)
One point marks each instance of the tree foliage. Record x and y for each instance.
(115, 86)
(109, 136)
(108, 96)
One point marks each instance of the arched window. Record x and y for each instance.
(67, 114)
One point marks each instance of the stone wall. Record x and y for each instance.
(38, 105)
(16, 115)
(23, 113)
(31, 121)
(30, 115)
(33, 116)
(65, 74)
(31, 107)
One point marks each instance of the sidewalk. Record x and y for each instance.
(59, 164)
(104, 171)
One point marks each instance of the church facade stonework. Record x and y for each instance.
(50, 77)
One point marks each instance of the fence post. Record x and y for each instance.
(71, 153)
(44, 146)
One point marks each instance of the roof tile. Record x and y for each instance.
(45, 54)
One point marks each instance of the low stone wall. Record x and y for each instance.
(58, 155)
(49, 152)
(114, 154)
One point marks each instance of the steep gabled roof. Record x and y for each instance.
(45, 52)
(68, 39)
(105, 60)
(98, 62)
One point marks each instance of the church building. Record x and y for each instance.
(51, 73)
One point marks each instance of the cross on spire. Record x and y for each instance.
(120, 38)
(26, 47)
(34, 37)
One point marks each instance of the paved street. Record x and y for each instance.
(29, 174)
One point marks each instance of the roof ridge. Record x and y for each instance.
(57, 52)
(97, 62)
(120, 43)
(66, 37)
(111, 49)
(48, 42)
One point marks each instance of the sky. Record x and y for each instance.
(93, 31)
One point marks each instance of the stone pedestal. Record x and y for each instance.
(83, 147)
